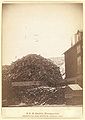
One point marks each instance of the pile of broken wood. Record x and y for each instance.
(39, 96)
(35, 68)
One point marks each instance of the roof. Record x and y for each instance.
(80, 41)
(75, 87)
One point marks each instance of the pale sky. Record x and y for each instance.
(44, 29)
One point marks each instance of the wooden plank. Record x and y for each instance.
(25, 83)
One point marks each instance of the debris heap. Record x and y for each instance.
(5, 81)
(39, 96)
(5, 72)
(35, 68)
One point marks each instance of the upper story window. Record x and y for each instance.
(78, 49)
(78, 64)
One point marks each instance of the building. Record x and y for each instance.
(74, 57)
(74, 70)
(73, 95)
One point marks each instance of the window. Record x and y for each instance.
(76, 38)
(78, 49)
(78, 64)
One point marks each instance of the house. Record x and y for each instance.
(74, 71)
(74, 58)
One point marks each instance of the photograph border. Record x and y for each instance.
(41, 1)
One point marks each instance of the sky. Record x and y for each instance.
(39, 28)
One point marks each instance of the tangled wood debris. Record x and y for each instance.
(34, 68)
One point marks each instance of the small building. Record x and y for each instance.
(73, 95)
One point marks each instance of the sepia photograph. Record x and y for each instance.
(42, 55)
